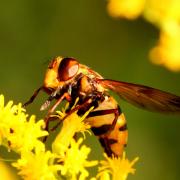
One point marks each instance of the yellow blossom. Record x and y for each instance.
(118, 167)
(26, 137)
(162, 12)
(17, 132)
(6, 173)
(130, 9)
(165, 14)
(167, 51)
(71, 125)
(68, 158)
(75, 161)
(38, 165)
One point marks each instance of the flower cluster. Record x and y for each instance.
(165, 15)
(18, 132)
(119, 168)
(68, 158)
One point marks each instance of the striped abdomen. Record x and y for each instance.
(113, 140)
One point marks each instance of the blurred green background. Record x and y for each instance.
(31, 32)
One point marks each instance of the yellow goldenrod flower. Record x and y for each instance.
(71, 125)
(6, 173)
(118, 167)
(68, 158)
(17, 132)
(26, 136)
(165, 14)
(37, 166)
(162, 12)
(130, 9)
(75, 161)
(167, 52)
(104, 176)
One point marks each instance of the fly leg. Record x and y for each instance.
(87, 103)
(33, 96)
(52, 109)
(90, 101)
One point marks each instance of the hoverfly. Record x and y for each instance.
(67, 79)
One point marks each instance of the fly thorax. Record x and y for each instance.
(86, 85)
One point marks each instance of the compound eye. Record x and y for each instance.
(67, 69)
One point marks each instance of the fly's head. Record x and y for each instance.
(62, 71)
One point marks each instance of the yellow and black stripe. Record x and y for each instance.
(113, 138)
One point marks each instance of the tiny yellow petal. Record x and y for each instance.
(118, 167)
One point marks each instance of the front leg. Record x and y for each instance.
(84, 105)
(90, 101)
(52, 109)
(36, 92)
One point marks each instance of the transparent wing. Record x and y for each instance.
(144, 97)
